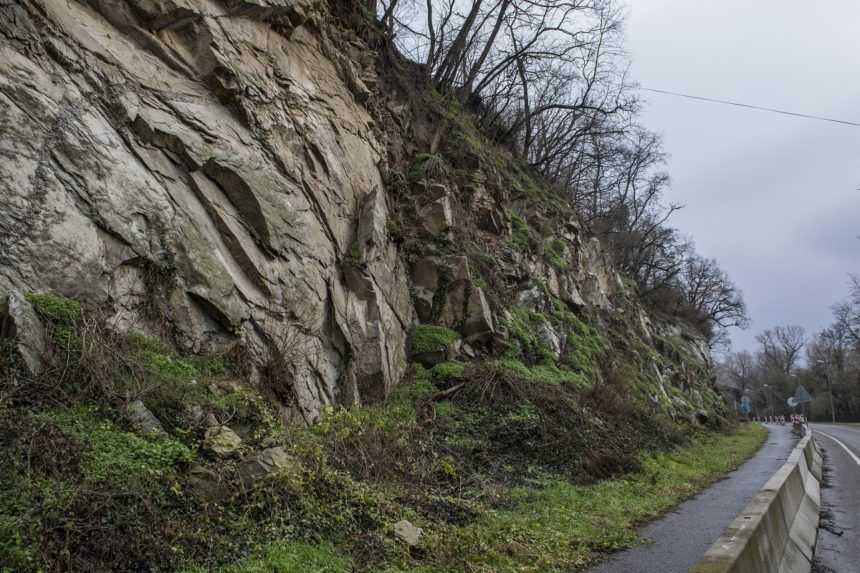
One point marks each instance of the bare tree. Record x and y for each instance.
(847, 314)
(548, 78)
(709, 290)
(741, 368)
(781, 346)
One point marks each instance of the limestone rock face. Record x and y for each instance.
(208, 162)
(478, 321)
(550, 337)
(426, 277)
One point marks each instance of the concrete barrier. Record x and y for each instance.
(776, 531)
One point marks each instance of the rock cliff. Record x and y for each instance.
(252, 173)
(203, 167)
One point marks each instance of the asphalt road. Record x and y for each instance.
(679, 539)
(840, 497)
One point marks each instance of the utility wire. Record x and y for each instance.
(748, 106)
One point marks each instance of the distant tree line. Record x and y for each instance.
(827, 364)
(548, 78)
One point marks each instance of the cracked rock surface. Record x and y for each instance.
(208, 164)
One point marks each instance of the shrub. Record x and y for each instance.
(427, 166)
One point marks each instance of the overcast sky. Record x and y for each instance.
(774, 199)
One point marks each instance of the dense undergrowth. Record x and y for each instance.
(523, 463)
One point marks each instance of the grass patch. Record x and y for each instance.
(562, 526)
(428, 338)
(115, 455)
(55, 308)
(556, 254)
(521, 233)
(531, 357)
(292, 557)
(445, 371)
(427, 165)
(61, 314)
(523, 328)
(467, 136)
(544, 373)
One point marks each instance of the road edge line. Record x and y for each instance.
(842, 445)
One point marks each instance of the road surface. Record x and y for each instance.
(841, 498)
(678, 540)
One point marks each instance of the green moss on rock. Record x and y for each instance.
(520, 232)
(56, 308)
(429, 338)
(523, 326)
(445, 371)
(555, 253)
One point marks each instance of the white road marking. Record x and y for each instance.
(849, 427)
(844, 447)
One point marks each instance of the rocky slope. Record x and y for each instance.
(217, 171)
(258, 183)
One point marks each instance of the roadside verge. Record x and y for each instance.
(777, 530)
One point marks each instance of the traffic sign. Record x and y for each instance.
(801, 395)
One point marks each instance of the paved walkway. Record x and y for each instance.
(679, 539)
(840, 497)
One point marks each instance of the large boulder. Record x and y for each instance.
(435, 214)
(430, 345)
(478, 320)
(22, 327)
(222, 441)
(487, 215)
(208, 484)
(550, 338)
(265, 463)
(426, 276)
(143, 420)
(408, 533)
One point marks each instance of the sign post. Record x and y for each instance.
(801, 398)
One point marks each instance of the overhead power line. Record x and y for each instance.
(749, 106)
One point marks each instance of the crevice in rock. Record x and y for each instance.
(243, 198)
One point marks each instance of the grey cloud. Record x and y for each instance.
(772, 198)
